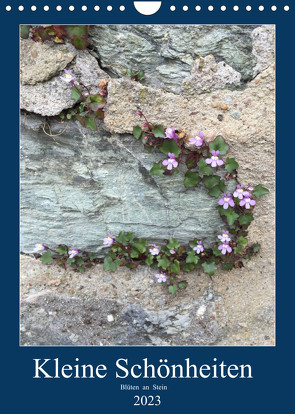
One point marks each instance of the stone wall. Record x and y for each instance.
(78, 185)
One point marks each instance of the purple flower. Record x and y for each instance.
(69, 77)
(170, 134)
(39, 247)
(250, 188)
(199, 248)
(239, 191)
(247, 202)
(161, 277)
(108, 241)
(172, 251)
(171, 162)
(224, 237)
(73, 252)
(214, 160)
(226, 201)
(197, 141)
(154, 250)
(225, 247)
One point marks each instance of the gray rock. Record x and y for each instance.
(79, 186)
(48, 95)
(39, 62)
(263, 47)
(63, 320)
(207, 75)
(167, 53)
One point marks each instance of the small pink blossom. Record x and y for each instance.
(154, 250)
(247, 201)
(73, 252)
(162, 277)
(225, 248)
(214, 160)
(197, 141)
(108, 241)
(171, 162)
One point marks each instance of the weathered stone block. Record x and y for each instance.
(80, 185)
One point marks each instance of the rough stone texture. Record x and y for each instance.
(52, 96)
(207, 75)
(123, 308)
(92, 180)
(78, 186)
(167, 53)
(263, 47)
(40, 62)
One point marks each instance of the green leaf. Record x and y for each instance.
(79, 261)
(158, 131)
(209, 268)
(227, 266)
(99, 114)
(90, 123)
(211, 181)
(191, 179)
(92, 256)
(24, 31)
(259, 191)
(134, 254)
(188, 267)
(231, 165)
(170, 145)
(157, 169)
(59, 31)
(76, 30)
(76, 95)
(137, 132)
(182, 284)
(61, 249)
(204, 169)
(150, 259)
(173, 289)
(216, 251)
(230, 215)
(222, 186)
(40, 34)
(125, 238)
(192, 257)
(181, 250)
(246, 219)
(163, 261)
(112, 255)
(80, 42)
(109, 264)
(242, 242)
(191, 161)
(174, 267)
(173, 244)
(140, 74)
(219, 145)
(215, 191)
(97, 102)
(46, 258)
(256, 248)
(140, 245)
(71, 261)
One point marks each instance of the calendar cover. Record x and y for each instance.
(143, 151)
